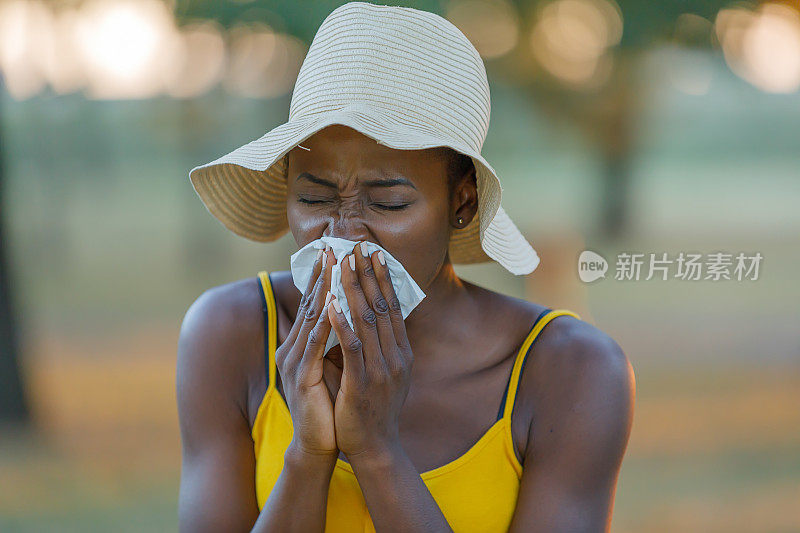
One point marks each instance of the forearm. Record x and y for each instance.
(396, 496)
(299, 499)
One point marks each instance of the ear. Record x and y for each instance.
(464, 200)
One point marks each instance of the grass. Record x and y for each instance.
(717, 449)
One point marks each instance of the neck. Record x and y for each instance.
(445, 293)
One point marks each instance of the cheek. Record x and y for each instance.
(304, 227)
(418, 239)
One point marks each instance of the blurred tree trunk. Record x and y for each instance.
(615, 201)
(605, 115)
(13, 404)
(607, 118)
(614, 134)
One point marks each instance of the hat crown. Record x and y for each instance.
(414, 67)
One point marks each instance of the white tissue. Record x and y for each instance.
(302, 265)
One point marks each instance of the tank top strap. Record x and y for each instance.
(510, 393)
(270, 327)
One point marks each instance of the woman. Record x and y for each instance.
(447, 421)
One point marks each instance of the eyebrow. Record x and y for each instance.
(381, 182)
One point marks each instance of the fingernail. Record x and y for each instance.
(352, 259)
(337, 306)
(328, 297)
(381, 258)
(364, 248)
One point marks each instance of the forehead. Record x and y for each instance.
(341, 149)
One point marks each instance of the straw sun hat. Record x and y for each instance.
(406, 78)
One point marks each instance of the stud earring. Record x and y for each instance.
(460, 220)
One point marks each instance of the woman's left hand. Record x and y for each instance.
(377, 358)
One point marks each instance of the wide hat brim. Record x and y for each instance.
(246, 188)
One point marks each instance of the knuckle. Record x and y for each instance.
(314, 336)
(369, 271)
(304, 303)
(394, 304)
(302, 387)
(310, 314)
(396, 369)
(380, 306)
(354, 344)
(368, 315)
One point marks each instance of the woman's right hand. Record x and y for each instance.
(299, 359)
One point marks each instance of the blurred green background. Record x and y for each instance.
(645, 127)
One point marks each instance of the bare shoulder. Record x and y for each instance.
(218, 347)
(571, 351)
(219, 344)
(581, 387)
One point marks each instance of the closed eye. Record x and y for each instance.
(377, 205)
(391, 207)
(311, 202)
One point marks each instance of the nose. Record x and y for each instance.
(346, 227)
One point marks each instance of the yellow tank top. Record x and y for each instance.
(476, 491)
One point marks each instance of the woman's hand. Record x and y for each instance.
(299, 359)
(377, 357)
